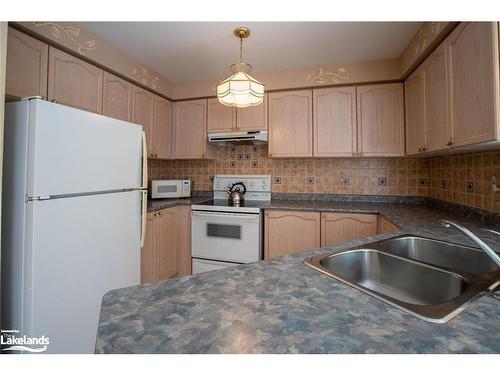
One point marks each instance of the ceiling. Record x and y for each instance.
(186, 51)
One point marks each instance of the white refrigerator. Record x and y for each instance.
(73, 219)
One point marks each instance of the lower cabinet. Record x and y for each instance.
(167, 247)
(337, 228)
(288, 232)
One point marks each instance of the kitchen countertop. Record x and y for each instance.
(283, 306)
(160, 204)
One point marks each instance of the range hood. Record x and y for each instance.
(238, 138)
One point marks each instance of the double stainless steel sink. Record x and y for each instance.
(430, 279)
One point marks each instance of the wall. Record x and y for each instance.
(293, 175)
(404, 176)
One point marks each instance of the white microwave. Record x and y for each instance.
(170, 189)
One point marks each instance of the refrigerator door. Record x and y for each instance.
(72, 151)
(78, 249)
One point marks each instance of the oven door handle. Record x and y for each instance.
(225, 216)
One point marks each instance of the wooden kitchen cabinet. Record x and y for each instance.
(190, 131)
(148, 252)
(290, 124)
(380, 115)
(220, 117)
(26, 70)
(252, 118)
(116, 97)
(415, 113)
(288, 232)
(162, 128)
(167, 247)
(337, 228)
(437, 129)
(334, 122)
(74, 82)
(473, 79)
(386, 226)
(183, 240)
(165, 243)
(143, 114)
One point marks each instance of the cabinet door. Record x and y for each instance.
(162, 127)
(116, 97)
(436, 100)
(288, 232)
(165, 244)
(386, 226)
(183, 240)
(252, 118)
(472, 50)
(290, 124)
(142, 114)
(26, 71)
(337, 228)
(220, 117)
(380, 120)
(335, 122)
(415, 113)
(74, 82)
(190, 129)
(148, 251)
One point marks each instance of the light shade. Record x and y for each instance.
(241, 89)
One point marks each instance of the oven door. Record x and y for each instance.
(224, 236)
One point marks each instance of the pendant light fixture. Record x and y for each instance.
(240, 89)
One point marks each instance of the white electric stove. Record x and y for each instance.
(224, 235)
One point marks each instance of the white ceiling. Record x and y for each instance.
(185, 51)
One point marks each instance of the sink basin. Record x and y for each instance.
(430, 279)
(449, 255)
(395, 277)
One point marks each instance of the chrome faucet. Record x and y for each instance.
(488, 250)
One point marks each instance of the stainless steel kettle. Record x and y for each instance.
(236, 195)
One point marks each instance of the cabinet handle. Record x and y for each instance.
(450, 142)
(360, 153)
(159, 213)
(54, 101)
(420, 149)
(354, 154)
(266, 213)
(155, 214)
(323, 216)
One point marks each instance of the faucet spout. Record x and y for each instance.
(483, 246)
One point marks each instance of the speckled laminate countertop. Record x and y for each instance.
(160, 204)
(282, 306)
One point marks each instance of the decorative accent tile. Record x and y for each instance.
(310, 180)
(255, 164)
(382, 181)
(277, 180)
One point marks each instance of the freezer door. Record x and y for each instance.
(78, 249)
(73, 151)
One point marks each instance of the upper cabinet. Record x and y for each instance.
(143, 114)
(190, 132)
(290, 124)
(415, 113)
(380, 120)
(472, 51)
(335, 122)
(74, 82)
(26, 72)
(116, 97)
(252, 118)
(221, 118)
(437, 127)
(162, 124)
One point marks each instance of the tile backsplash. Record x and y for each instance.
(445, 178)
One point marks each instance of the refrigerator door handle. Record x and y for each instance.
(144, 162)
(144, 188)
(143, 216)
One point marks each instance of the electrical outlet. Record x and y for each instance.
(382, 181)
(470, 186)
